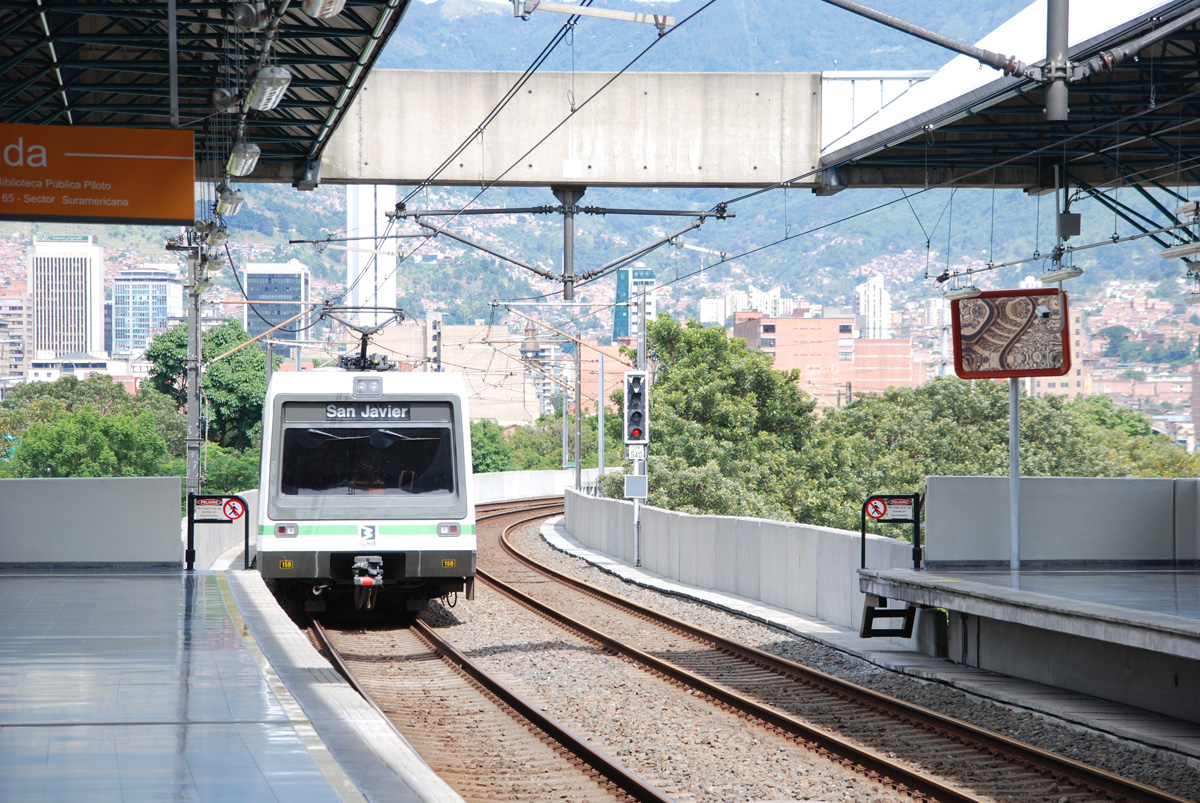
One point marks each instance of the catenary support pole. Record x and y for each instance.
(1014, 474)
(565, 415)
(569, 196)
(578, 418)
(192, 361)
(600, 423)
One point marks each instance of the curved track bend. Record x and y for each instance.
(909, 748)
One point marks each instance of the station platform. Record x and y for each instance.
(1147, 608)
(1157, 597)
(191, 686)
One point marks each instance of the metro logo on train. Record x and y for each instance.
(377, 412)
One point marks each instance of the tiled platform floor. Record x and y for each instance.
(138, 687)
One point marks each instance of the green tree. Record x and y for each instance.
(538, 446)
(41, 401)
(1117, 337)
(85, 443)
(233, 387)
(229, 471)
(489, 450)
(726, 427)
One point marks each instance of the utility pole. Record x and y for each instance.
(190, 244)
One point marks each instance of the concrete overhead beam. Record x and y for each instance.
(643, 130)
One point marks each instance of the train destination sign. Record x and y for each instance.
(368, 412)
(97, 175)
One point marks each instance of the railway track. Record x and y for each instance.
(482, 737)
(908, 748)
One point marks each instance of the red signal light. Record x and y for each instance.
(636, 432)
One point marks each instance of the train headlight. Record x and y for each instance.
(368, 386)
(449, 529)
(285, 530)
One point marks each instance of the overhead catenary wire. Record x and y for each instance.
(528, 73)
(489, 185)
(950, 182)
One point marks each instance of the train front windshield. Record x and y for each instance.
(384, 460)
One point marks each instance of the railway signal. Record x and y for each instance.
(637, 409)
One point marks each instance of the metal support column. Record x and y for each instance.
(1014, 474)
(600, 422)
(569, 196)
(1057, 46)
(565, 416)
(192, 367)
(578, 417)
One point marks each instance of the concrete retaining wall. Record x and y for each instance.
(1062, 519)
(500, 486)
(809, 570)
(109, 521)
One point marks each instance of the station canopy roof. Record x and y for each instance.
(109, 64)
(1137, 123)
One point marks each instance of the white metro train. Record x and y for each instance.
(366, 487)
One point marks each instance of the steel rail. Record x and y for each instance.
(824, 743)
(1077, 772)
(610, 768)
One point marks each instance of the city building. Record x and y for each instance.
(631, 283)
(873, 309)
(281, 291)
(66, 293)
(712, 310)
(371, 277)
(17, 316)
(773, 304)
(615, 366)
(144, 302)
(545, 369)
(833, 361)
(6, 360)
(487, 356)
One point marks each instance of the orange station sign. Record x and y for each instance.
(79, 174)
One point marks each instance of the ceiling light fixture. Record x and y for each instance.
(323, 9)
(242, 158)
(250, 16)
(267, 88)
(1061, 274)
(962, 293)
(229, 200)
(1180, 251)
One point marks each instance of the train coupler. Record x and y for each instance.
(368, 578)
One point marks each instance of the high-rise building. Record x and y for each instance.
(144, 300)
(16, 313)
(370, 277)
(771, 304)
(66, 292)
(712, 310)
(284, 287)
(631, 283)
(873, 308)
